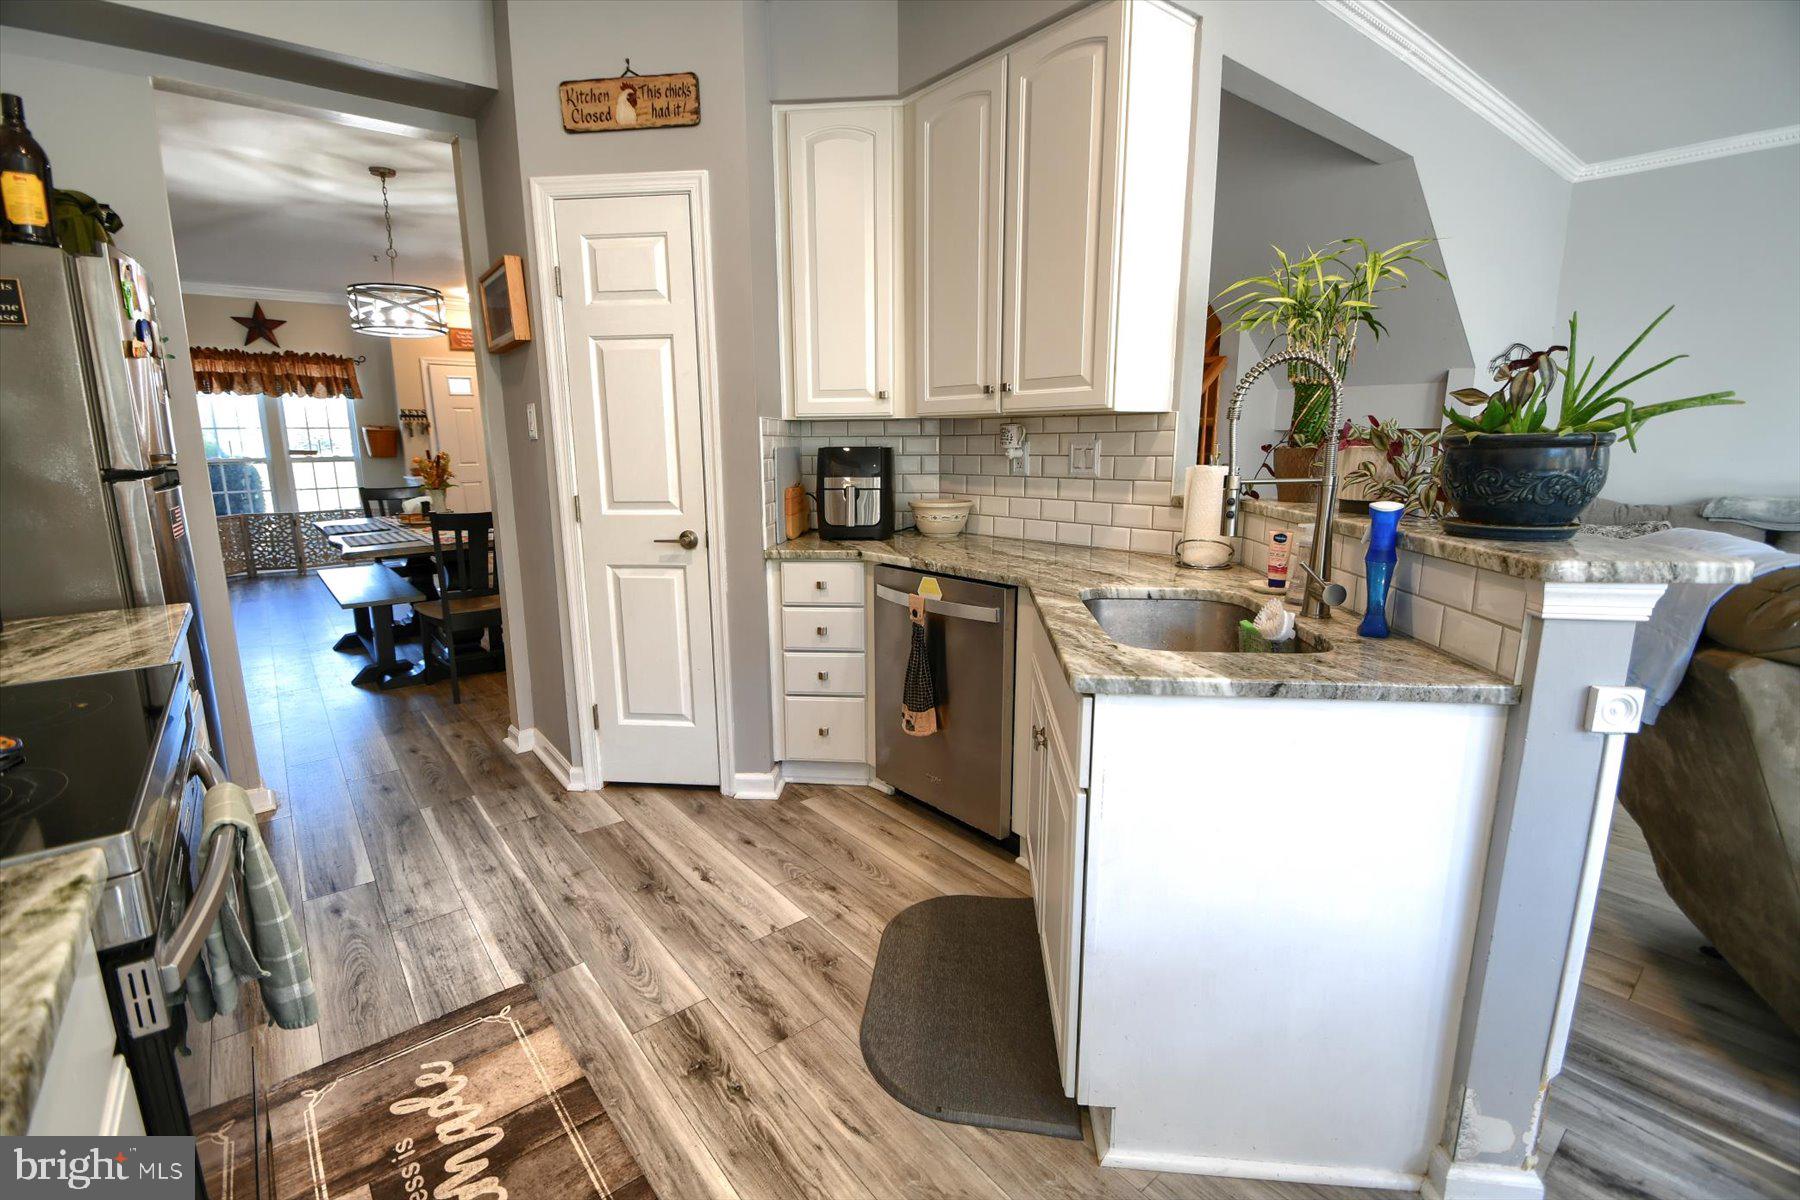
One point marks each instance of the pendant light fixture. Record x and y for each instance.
(393, 309)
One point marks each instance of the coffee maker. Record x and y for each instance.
(856, 492)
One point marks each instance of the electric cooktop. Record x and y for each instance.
(87, 760)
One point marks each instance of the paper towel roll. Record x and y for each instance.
(1203, 543)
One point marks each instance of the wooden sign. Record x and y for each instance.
(461, 338)
(12, 303)
(630, 102)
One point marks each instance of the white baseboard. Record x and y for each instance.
(263, 801)
(527, 741)
(1446, 1180)
(1245, 1168)
(838, 773)
(758, 785)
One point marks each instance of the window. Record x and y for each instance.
(237, 454)
(311, 468)
(324, 457)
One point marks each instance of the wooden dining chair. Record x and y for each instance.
(387, 501)
(468, 587)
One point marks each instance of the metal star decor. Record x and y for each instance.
(259, 325)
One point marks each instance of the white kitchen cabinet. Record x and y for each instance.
(959, 186)
(1099, 118)
(840, 178)
(1050, 791)
(87, 1089)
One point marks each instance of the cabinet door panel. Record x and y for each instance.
(959, 152)
(1059, 218)
(840, 269)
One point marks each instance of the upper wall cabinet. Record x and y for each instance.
(958, 196)
(1048, 195)
(839, 180)
(1050, 189)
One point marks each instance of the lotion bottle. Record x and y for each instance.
(1280, 547)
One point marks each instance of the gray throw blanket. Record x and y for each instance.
(273, 953)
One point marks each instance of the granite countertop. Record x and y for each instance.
(1058, 577)
(1584, 558)
(39, 648)
(45, 907)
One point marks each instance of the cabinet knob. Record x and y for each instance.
(824, 675)
(824, 731)
(818, 585)
(987, 389)
(821, 631)
(1039, 738)
(1005, 387)
(882, 395)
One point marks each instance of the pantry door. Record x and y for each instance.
(630, 332)
(455, 408)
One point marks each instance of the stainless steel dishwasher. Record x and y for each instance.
(965, 768)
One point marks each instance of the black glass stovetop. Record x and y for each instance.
(88, 748)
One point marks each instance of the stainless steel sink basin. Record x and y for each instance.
(1172, 622)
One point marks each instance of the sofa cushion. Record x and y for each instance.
(1761, 617)
(1763, 512)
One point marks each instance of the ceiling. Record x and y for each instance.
(269, 200)
(1628, 77)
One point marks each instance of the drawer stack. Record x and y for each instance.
(824, 667)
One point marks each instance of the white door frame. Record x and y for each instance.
(545, 191)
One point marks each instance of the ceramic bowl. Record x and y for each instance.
(943, 518)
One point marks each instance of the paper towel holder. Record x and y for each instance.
(1200, 541)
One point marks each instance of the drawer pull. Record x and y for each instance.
(824, 731)
(820, 631)
(818, 585)
(824, 675)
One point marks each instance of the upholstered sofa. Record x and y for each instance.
(1715, 782)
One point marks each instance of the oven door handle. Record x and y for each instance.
(175, 954)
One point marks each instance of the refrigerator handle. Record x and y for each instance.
(133, 474)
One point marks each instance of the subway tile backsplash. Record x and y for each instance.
(1126, 505)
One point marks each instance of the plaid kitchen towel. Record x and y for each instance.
(273, 953)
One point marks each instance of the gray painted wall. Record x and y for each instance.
(1719, 240)
(536, 45)
(1282, 185)
(834, 51)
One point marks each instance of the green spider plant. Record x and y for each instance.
(1320, 302)
(1527, 381)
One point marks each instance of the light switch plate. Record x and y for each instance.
(531, 422)
(1084, 453)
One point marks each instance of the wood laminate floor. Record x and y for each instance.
(707, 960)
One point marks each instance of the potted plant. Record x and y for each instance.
(1318, 302)
(435, 474)
(1409, 470)
(1513, 472)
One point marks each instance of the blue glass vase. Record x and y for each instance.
(1378, 564)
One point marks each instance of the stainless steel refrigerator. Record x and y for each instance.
(91, 510)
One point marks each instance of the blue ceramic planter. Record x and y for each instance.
(1523, 485)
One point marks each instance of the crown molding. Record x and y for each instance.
(1679, 156)
(238, 291)
(1381, 24)
(1378, 22)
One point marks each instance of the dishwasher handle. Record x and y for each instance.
(944, 608)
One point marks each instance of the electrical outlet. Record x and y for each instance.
(1020, 464)
(1084, 454)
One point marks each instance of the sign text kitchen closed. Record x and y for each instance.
(630, 102)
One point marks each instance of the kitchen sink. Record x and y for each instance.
(1173, 622)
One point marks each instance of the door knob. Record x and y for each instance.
(688, 540)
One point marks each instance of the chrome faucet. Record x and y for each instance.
(1320, 594)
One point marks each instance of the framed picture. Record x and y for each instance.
(505, 315)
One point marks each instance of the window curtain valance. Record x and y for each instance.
(282, 374)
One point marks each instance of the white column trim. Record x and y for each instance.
(1446, 1180)
(1593, 601)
